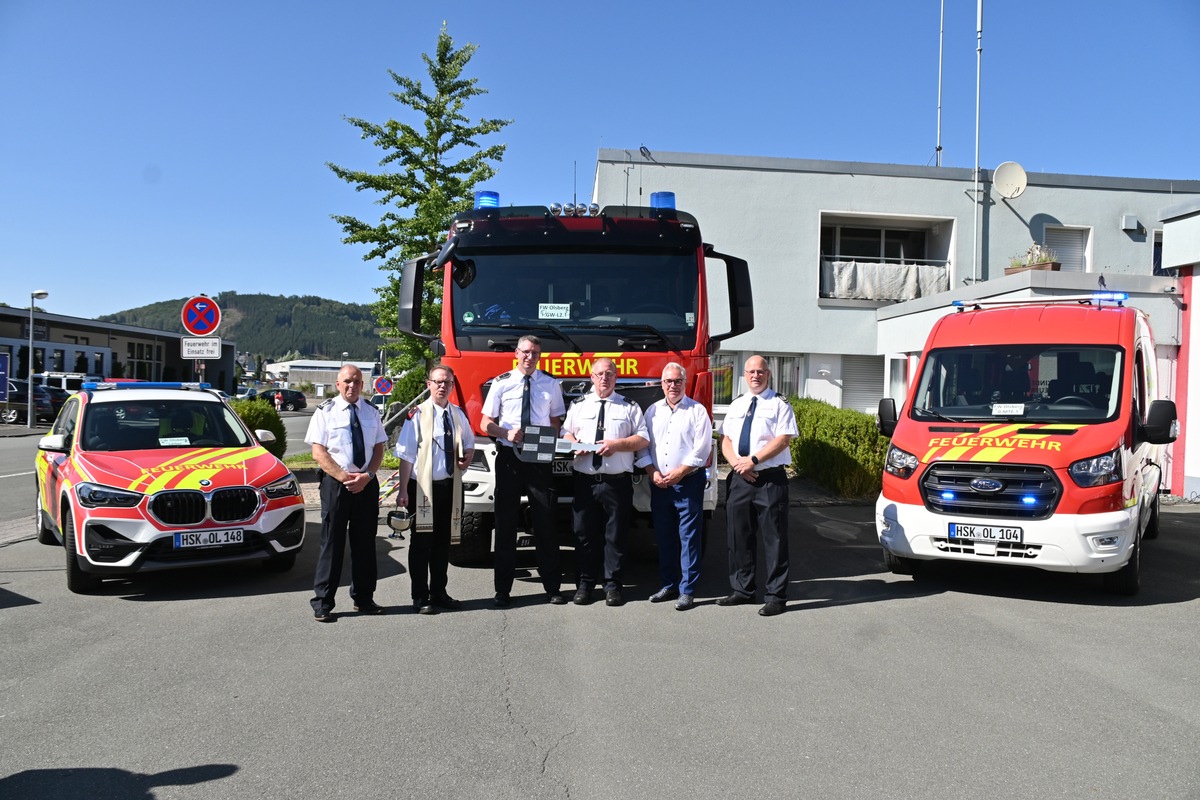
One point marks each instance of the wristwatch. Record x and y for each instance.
(754, 460)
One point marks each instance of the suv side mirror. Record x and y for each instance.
(1162, 423)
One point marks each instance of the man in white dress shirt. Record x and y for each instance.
(680, 447)
(755, 435)
(603, 499)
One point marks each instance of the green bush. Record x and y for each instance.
(838, 448)
(263, 416)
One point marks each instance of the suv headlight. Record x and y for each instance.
(1098, 470)
(285, 487)
(92, 495)
(899, 462)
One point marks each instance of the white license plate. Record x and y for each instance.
(207, 538)
(986, 533)
(561, 467)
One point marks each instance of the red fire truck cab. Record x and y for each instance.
(627, 283)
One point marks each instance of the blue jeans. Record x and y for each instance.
(678, 513)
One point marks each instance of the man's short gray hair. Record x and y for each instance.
(678, 366)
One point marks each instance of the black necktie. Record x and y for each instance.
(597, 459)
(744, 442)
(526, 406)
(356, 438)
(448, 442)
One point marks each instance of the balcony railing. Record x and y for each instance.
(882, 281)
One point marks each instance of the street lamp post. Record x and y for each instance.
(344, 357)
(40, 294)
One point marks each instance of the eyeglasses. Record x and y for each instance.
(604, 374)
(672, 381)
(445, 382)
(528, 353)
(756, 372)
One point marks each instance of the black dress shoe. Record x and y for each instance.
(663, 595)
(772, 608)
(368, 607)
(556, 599)
(447, 602)
(501, 600)
(426, 608)
(323, 615)
(583, 596)
(684, 602)
(734, 599)
(613, 597)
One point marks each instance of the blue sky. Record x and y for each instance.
(156, 150)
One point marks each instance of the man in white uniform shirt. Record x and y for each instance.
(347, 439)
(435, 447)
(603, 481)
(680, 448)
(525, 396)
(756, 432)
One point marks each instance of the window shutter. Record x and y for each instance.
(862, 382)
(1070, 246)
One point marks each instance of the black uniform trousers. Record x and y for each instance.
(753, 510)
(602, 506)
(514, 478)
(429, 551)
(346, 517)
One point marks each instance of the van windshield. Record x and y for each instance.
(1030, 383)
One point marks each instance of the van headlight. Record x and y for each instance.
(899, 462)
(1098, 470)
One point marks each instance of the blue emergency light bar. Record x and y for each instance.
(484, 199)
(662, 200)
(147, 385)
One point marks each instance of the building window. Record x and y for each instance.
(57, 361)
(724, 370)
(884, 259)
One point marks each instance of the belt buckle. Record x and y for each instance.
(598, 477)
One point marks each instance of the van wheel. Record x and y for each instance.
(475, 542)
(1126, 581)
(900, 565)
(78, 581)
(1152, 525)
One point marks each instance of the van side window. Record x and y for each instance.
(1139, 388)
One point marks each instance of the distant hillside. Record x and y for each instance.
(272, 325)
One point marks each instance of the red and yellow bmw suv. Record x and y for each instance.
(138, 477)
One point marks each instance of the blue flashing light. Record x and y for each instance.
(1029, 500)
(485, 199)
(947, 495)
(147, 385)
(957, 303)
(1112, 297)
(662, 200)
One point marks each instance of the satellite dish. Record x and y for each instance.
(1010, 179)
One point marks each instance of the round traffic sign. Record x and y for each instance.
(383, 385)
(200, 316)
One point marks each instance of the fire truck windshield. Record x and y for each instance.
(579, 301)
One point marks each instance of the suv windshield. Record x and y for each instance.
(1030, 383)
(133, 424)
(579, 301)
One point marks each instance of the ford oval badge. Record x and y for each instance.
(986, 485)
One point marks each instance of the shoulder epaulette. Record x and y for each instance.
(504, 376)
(326, 404)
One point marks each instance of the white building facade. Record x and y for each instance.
(851, 262)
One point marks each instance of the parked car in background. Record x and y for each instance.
(58, 397)
(16, 411)
(292, 399)
(379, 400)
(154, 476)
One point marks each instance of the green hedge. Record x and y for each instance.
(838, 448)
(263, 416)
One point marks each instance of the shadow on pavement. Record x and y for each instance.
(89, 782)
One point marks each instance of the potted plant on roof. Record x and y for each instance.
(1036, 257)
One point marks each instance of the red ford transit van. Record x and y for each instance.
(1033, 435)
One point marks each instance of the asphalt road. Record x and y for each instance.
(973, 682)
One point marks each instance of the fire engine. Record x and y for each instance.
(629, 283)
